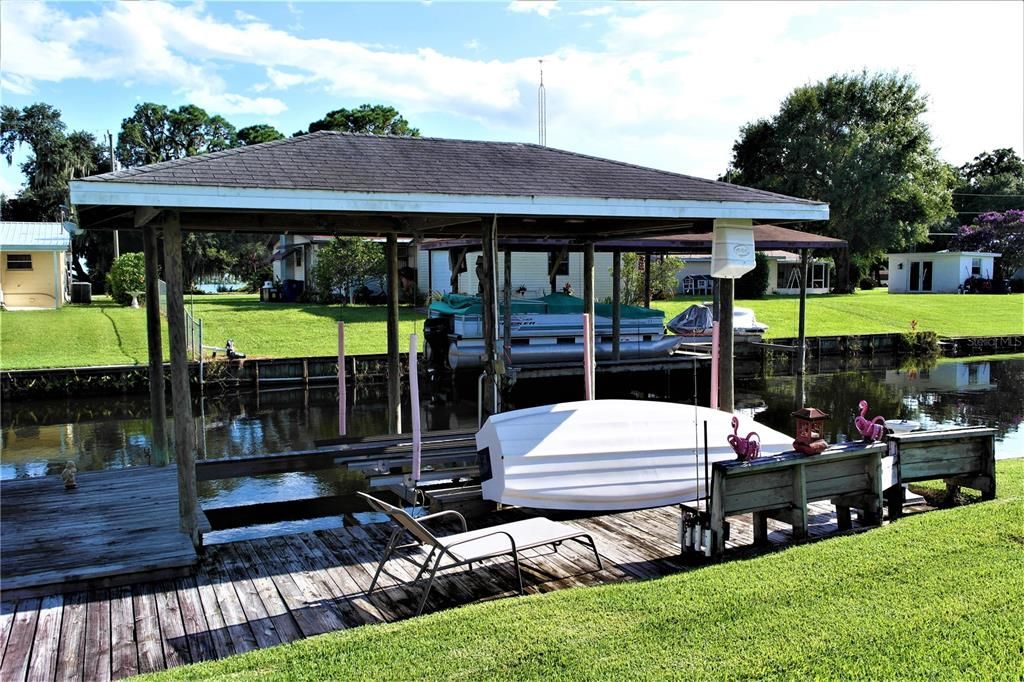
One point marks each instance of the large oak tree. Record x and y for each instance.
(860, 143)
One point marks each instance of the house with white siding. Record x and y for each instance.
(939, 272)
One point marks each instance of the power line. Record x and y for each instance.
(965, 194)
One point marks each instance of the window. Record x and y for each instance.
(19, 261)
(298, 257)
(975, 267)
(563, 267)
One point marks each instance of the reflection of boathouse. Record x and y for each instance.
(961, 376)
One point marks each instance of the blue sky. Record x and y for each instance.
(666, 85)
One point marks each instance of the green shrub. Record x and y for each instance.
(128, 273)
(754, 284)
(866, 284)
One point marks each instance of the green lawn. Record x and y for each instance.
(105, 333)
(934, 596)
(876, 312)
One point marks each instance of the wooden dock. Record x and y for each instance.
(258, 593)
(117, 527)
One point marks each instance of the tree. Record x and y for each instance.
(252, 265)
(993, 181)
(257, 134)
(663, 277)
(860, 143)
(155, 133)
(1001, 233)
(203, 256)
(754, 284)
(373, 119)
(347, 263)
(127, 274)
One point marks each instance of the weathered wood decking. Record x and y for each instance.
(251, 594)
(120, 525)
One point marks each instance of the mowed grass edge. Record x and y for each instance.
(934, 596)
(108, 334)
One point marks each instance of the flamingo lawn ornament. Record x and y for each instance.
(747, 448)
(871, 430)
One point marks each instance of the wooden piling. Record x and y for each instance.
(616, 303)
(158, 406)
(181, 398)
(488, 228)
(647, 280)
(726, 342)
(394, 365)
(801, 352)
(588, 308)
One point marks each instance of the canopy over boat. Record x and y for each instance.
(602, 455)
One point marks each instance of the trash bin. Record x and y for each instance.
(291, 289)
(81, 292)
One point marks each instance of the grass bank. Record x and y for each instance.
(934, 596)
(878, 312)
(105, 333)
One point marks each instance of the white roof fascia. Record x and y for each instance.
(298, 200)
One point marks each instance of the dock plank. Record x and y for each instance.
(172, 627)
(279, 623)
(96, 666)
(147, 629)
(124, 654)
(19, 643)
(71, 655)
(193, 619)
(43, 664)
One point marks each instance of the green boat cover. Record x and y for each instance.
(556, 304)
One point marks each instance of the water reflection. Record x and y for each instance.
(103, 433)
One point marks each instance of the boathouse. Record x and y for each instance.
(942, 272)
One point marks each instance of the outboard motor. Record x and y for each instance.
(435, 336)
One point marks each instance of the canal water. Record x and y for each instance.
(37, 437)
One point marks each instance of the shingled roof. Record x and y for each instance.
(337, 173)
(346, 162)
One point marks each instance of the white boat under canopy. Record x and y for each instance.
(603, 455)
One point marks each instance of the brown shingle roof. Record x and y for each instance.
(346, 162)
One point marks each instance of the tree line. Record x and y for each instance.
(856, 141)
(151, 134)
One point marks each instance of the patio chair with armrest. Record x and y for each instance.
(472, 546)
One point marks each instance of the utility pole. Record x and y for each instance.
(113, 167)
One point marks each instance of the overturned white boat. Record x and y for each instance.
(602, 455)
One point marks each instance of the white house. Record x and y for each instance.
(939, 272)
(295, 255)
(783, 273)
(529, 272)
(34, 260)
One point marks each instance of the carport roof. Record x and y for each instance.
(336, 174)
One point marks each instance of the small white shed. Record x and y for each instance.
(34, 265)
(939, 272)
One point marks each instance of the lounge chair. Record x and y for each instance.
(470, 546)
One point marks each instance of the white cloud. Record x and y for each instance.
(601, 11)
(669, 87)
(473, 44)
(542, 7)
(229, 103)
(245, 16)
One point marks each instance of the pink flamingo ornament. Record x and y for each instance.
(747, 448)
(871, 430)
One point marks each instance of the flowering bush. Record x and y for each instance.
(1002, 233)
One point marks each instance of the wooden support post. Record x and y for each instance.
(181, 398)
(490, 307)
(726, 343)
(800, 502)
(647, 280)
(801, 343)
(588, 307)
(157, 404)
(760, 524)
(394, 418)
(507, 307)
(616, 303)
(717, 513)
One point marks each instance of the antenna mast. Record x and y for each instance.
(542, 110)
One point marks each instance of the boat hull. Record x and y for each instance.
(463, 355)
(607, 455)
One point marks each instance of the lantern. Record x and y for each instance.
(810, 423)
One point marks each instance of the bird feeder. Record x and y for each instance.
(810, 422)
